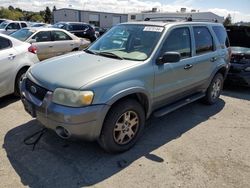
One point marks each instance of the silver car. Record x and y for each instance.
(51, 42)
(15, 59)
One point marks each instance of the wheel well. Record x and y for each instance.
(140, 97)
(25, 68)
(223, 71)
(75, 49)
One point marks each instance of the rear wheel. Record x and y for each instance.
(214, 90)
(19, 78)
(123, 126)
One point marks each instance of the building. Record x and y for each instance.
(202, 16)
(101, 19)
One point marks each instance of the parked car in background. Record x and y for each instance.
(4, 20)
(79, 29)
(50, 42)
(239, 73)
(107, 92)
(41, 25)
(8, 27)
(15, 59)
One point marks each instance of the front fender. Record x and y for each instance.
(123, 89)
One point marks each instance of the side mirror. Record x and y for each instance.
(32, 41)
(169, 57)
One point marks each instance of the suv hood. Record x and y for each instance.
(75, 70)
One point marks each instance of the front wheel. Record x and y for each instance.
(214, 90)
(123, 126)
(19, 78)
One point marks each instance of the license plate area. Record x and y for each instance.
(29, 107)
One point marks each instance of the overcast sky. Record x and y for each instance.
(239, 9)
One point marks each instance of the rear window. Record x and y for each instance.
(23, 25)
(203, 40)
(23, 34)
(221, 35)
(239, 36)
(4, 43)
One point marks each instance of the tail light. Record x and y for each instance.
(32, 49)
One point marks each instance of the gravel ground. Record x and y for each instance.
(195, 146)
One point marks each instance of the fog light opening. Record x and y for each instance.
(62, 132)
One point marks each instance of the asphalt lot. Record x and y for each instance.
(195, 146)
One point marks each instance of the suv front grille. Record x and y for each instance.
(36, 90)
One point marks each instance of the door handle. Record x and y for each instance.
(213, 59)
(11, 57)
(188, 66)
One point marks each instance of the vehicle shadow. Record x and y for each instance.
(237, 92)
(7, 100)
(59, 163)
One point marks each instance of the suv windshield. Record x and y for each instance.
(3, 25)
(239, 36)
(133, 42)
(23, 34)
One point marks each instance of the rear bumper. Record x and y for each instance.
(84, 123)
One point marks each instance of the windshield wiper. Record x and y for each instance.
(90, 52)
(110, 54)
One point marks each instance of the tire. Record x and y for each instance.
(118, 133)
(214, 90)
(19, 78)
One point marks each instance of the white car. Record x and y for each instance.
(15, 59)
(7, 27)
(51, 42)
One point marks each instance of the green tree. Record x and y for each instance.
(36, 18)
(48, 15)
(11, 8)
(228, 20)
(54, 8)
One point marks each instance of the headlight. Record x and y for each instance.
(72, 98)
(247, 69)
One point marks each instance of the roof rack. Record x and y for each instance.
(176, 18)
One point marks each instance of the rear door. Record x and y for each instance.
(205, 55)
(44, 44)
(7, 66)
(62, 43)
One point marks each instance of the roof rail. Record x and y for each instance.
(176, 18)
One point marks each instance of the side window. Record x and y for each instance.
(42, 36)
(4, 43)
(178, 40)
(13, 26)
(221, 35)
(59, 35)
(203, 40)
(23, 25)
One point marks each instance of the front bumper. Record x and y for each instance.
(84, 123)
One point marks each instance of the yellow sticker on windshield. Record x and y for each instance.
(153, 29)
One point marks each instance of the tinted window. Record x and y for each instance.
(203, 40)
(23, 25)
(221, 35)
(178, 41)
(59, 35)
(4, 43)
(13, 26)
(42, 36)
(78, 27)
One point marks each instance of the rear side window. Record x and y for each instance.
(23, 25)
(59, 35)
(221, 35)
(178, 41)
(42, 36)
(78, 27)
(4, 43)
(203, 40)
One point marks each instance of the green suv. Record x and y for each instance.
(107, 92)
